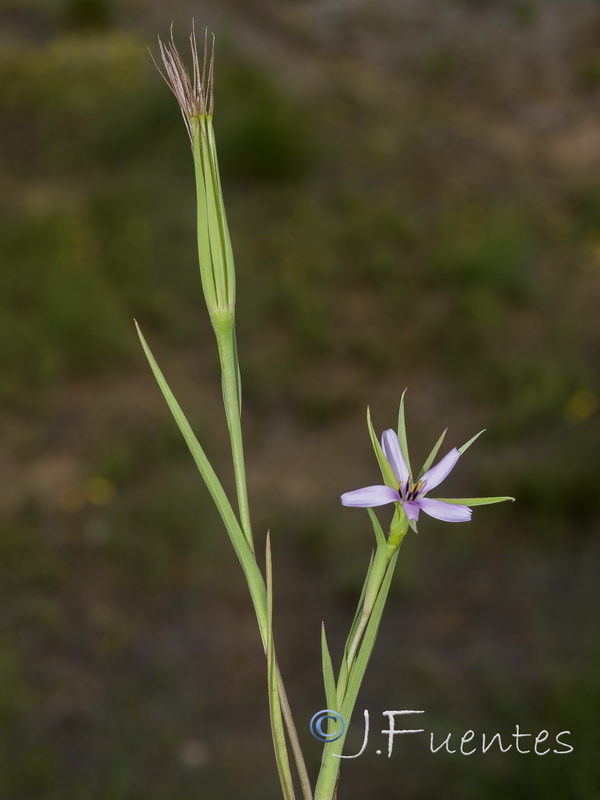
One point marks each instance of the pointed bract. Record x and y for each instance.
(476, 501)
(433, 454)
(462, 449)
(402, 431)
(387, 473)
(377, 529)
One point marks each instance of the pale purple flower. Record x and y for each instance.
(411, 494)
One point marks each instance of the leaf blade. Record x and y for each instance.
(236, 535)
(279, 741)
(343, 676)
(328, 674)
(368, 642)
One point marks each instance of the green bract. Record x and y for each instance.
(215, 253)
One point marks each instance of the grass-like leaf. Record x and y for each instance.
(343, 676)
(238, 540)
(329, 767)
(245, 555)
(281, 755)
(328, 674)
(359, 607)
(368, 642)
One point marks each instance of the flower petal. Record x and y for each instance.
(370, 496)
(392, 451)
(448, 512)
(411, 509)
(442, 469)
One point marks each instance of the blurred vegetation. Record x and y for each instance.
(381, 241)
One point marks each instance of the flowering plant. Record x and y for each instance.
(195, 96)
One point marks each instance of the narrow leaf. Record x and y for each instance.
(359, 608)
(240, 545)
(379, 534)
(433, 454)
(386, 471)
(474, 501)
(279, 742)
(402, 432)
(462, 449)
(368, 642)
(413, 525)
(212, 482)
(328, 675)
(343, 676)
(245, 555)
(359, 667)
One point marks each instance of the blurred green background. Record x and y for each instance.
(414, 201)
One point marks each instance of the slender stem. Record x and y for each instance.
(383, 555)
(382, 559)
(359, 651)
(293, 736)
(195, 97)
(273, 680)
(329, 774)
(364, 618)
(257, 588)
(225, 332)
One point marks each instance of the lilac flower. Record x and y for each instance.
(411, 494)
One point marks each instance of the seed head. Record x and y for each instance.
(195, 92)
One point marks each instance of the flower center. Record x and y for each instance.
(410, 491)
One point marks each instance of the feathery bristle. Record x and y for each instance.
(195, 93)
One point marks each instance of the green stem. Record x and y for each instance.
(258, 593)
(223, 324)
(327, 782)
(225, 334)
(359, 650)
(382, 559)
(293, 737)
